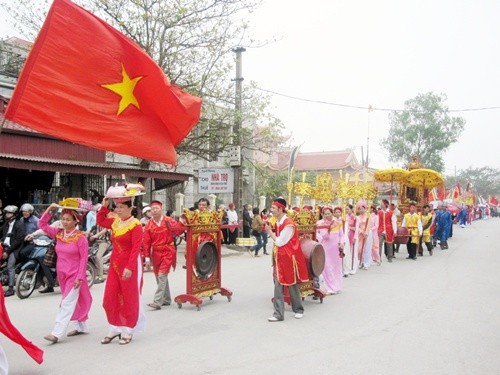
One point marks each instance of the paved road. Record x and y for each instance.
(436, 315)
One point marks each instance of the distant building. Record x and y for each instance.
(326, 161)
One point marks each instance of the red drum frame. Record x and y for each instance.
(203, 260)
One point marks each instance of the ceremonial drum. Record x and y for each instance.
(315, 257)
(402, 235)
(206, 260)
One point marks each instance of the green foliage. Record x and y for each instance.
(423, 129)
(485, 180)
(271, 184)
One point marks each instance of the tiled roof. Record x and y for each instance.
(313, 161)
(329, 160)
(19, 42)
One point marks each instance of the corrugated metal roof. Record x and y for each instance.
(77, 167)
(10, 125)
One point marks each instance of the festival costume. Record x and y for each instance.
(414, 225)
(121, 299)
(443, 228)
(289, 267)
(352, 260)
(346, 260)
(427, 221)
(331, 238)
(289, 261)
(364, 239)
(72, 257)
(158, 241)
(375, 244)
(386, 228)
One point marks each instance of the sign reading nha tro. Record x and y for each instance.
(215, 180)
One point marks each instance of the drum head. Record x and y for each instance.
(317, 260)
(206, 259)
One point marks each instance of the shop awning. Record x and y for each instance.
(77, 167)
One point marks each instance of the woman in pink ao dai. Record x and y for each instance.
(332, 239)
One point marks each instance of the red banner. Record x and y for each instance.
(11, 332)
(87, 83)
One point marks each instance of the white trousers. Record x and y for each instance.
(4, 365)
(65, 313)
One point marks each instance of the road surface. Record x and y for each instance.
(436, 315)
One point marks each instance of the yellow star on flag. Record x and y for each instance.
(126, 90)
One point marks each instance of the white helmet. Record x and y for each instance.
(27, 208)
(146, 209)
(10, 208)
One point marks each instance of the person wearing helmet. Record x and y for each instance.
(30, 222)
(12, 242)
(146, 215)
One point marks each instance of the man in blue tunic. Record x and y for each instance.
(443, 226)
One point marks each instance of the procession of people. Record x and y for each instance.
(353, 237)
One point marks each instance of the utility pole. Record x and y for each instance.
(236, 149)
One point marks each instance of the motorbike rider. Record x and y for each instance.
(146, 215)
(12, 240)
(30, 222)
(51, 282)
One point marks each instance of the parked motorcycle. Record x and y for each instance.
(34, 274)
(93, 250)
(91, 268)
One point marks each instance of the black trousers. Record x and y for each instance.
(412, 249)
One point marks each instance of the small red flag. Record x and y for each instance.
(441, 193)
(457, 192)
(432, 196)
(493, 201)
(11, 332)
(87, 83)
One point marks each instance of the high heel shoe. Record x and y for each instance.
(125, 340)
(108, 339)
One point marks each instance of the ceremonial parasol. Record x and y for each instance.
(391, 175)
(424, 178)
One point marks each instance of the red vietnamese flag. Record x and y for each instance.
(87, 83)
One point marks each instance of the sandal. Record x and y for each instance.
(108, 339)
(75, 333)
(125, 340)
